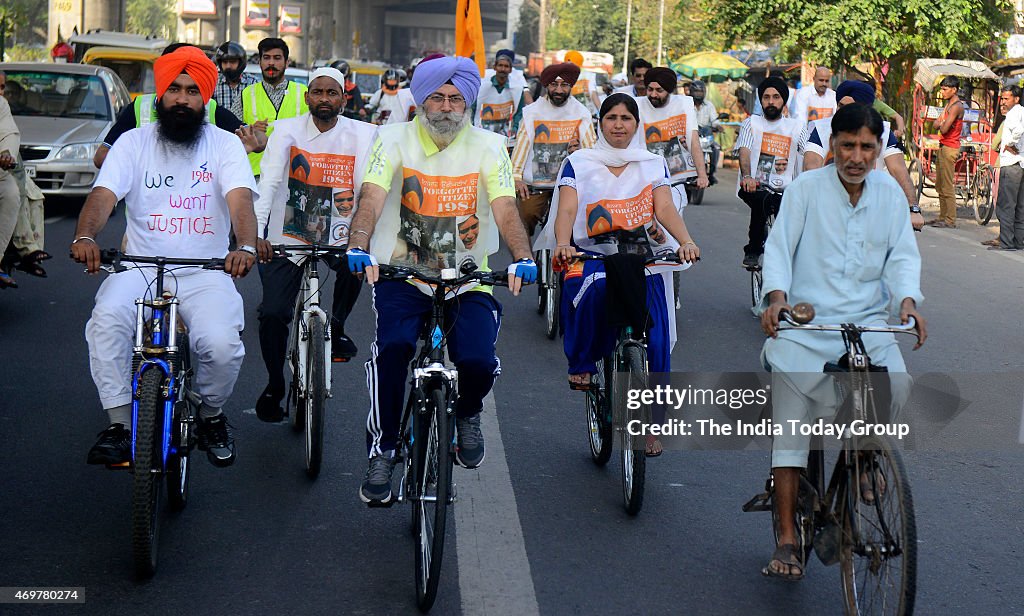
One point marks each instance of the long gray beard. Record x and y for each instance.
(443, 126)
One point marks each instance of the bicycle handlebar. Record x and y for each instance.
(114, 257)
(449, 277)
(285, 250)
(668, 257)
(800, 318)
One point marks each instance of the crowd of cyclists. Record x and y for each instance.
(438, 166)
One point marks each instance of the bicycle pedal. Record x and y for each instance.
(123, 466)
(340, 360)
(761, 502)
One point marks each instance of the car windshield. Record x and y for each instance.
(57, 95)
(136, 75)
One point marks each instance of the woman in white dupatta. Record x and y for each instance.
(613, 198)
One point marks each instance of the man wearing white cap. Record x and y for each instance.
(311, 173)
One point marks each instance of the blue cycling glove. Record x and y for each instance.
(359, 260)
(525, 269)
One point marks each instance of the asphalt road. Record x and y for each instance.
(539, 529)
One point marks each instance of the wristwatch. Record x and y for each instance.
(915, 209)
(249, 249)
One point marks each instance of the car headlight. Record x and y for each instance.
(77, 151)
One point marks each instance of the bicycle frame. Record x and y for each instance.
(306, 305)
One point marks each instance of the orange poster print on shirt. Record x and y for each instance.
(439, 196)
(818, 113)
(665, 130)
(556, 131)
(775, 145)
(581, 87)
(496, 112)
(609, 215)
(321, 168)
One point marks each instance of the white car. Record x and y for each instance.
(63, 111)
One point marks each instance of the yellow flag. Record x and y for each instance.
(469, 33)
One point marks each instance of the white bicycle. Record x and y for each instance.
(309, 353)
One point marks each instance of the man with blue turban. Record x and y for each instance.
(815, 144)
(463, 173)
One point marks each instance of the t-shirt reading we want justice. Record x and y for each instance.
(175, 199)
(438, 213)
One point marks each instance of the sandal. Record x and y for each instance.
(6, 282)
(867, 490)
(580, 385)
(789, 557)
(31, 268)
(654, 448)
(37, 256)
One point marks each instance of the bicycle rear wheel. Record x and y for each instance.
(178, 463)
(542, 297)
(147, 473)
(433, 485)
(878, 557)
(316, 396)
(633, 449)
(599, 419)
(755, 287)
(985, 202)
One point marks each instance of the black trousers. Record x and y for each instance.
(760, 203)
(281, 281)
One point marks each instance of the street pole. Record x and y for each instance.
(625, 51)
(661, 24)
(542, 23)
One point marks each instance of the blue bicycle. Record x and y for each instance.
(165, 409)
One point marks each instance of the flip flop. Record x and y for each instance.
(651, 440)
(788, 555)
(582, 386)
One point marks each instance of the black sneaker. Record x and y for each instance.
(268, 407)
(751, 260)
(470, 450)
(376, 488)
(342, 348)
(216, 440)
(113, 447)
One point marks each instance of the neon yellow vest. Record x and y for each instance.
(256, 106)
(145, 110)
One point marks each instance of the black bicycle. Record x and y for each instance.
(609, 415)
(427, 447)
(756, 279)
(165, 408)
(863, 518)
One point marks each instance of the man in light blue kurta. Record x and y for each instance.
(844, 243)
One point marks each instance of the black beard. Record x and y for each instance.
(658, 103)
(558, 99)
(180, 126)
(325, 115)
(697, 102)
(232, 75)
(772, 113)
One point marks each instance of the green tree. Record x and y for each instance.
(888, 35)
(587, 25)
(526, 29)
(151, 17)
(24, 22)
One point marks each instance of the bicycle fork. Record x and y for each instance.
(425, 381)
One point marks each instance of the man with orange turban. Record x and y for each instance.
(585, 88)
(143, 111)
(187, 185)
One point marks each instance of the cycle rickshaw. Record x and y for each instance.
(976, 170)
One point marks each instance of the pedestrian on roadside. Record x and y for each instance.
(949, 125)
(1010, 201)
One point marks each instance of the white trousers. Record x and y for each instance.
(10, 204)
(211, 309)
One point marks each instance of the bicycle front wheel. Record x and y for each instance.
(316, 396)
(433, 486)
(878, 556)
(552, 304)
(146, 474)
(178, 463)
(633, 449)
(985, 204)
(755, 287)
(599, 421)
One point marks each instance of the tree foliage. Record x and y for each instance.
(149, 17)
(526, 29)
(25, 21)
(600, 25)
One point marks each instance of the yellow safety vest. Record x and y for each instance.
(145, 110)
(256, 106)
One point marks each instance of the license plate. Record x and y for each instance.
(30, 171)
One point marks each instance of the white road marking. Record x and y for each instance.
(52, 219)
(494, 572)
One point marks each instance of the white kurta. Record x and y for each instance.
(855, 265)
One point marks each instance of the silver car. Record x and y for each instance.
(63, 112)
